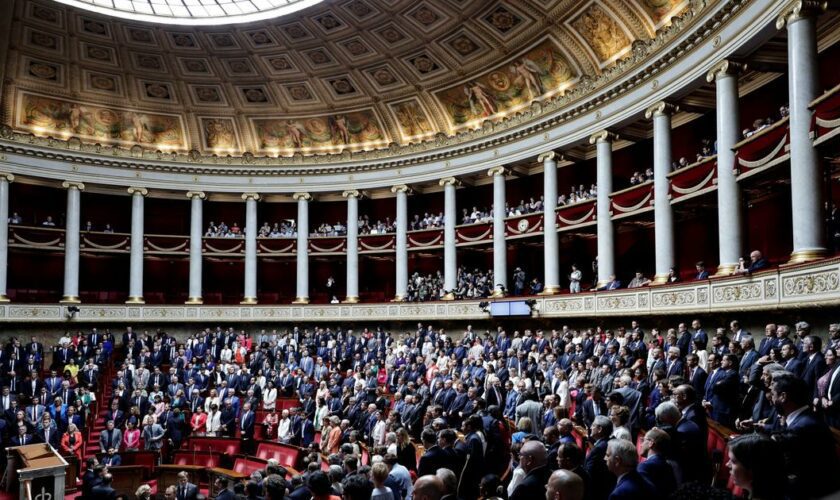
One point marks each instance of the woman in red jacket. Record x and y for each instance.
(71, 442)
(198, 421)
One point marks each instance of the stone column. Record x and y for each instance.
(352, 295)
(196, 233)
(550, 245)
(251, 230)
(606, 247)
(302, 294)
(450, 258)
(663, 215)
(499, 241)
(71, 242)
(5, 180)
(806, 183)
(135, 266)
(401, 242)
(725, 76)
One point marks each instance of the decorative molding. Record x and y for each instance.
(352, 193)
(73, 184)
(497, 171)
(302, 196)
(251, 196)
(547, 156)
(446, 181)
(138, 190)
(196, 194)
(401, 188)
(603, 136)
(7, 177)
(725, 68)
(800, 9)
(661, 108)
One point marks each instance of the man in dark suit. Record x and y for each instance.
(602, 480)
(611, 284)
(112, 458)
(723, 388)
(222, 488)
(533, 460)
(790, 360)
(814, 361)
(656, 469)
(103, 491)
(592, 407)
(696, 375)
(809, 446)
(434, 457)
(687, 439)
(622, 460)
(185, 490)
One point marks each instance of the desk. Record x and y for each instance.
(37, 469)
(127, 478)
(168, 475)
(232, 476)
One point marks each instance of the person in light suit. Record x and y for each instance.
(214, 421)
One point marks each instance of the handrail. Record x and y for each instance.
(762, 132)
(825, 96)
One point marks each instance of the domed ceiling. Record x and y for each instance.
(349, 74)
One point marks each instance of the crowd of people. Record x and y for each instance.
(760, 124)
(454, 394)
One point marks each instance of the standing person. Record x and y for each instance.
(533, 460)
(71, 442)
(574, 279)
(379, 474)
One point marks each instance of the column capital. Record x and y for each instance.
(401, 188)
(196, 194)
(726, 67)
(661, 108)
(603, 136)
(251, 196)
(302, 196)
(497, 171)
(7, 176)
(449, 180)
(800, 9)
(138, 190)
(547, 156)
(352, 193)
(73, 184)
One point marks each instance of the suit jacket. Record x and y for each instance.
(433, 459)
(697, 379)
(633, 486)
(246, 425)
(103, 492)
(810, 448)
(114, 442)
(603, 481)
(724, 397)
(532, 485)
(588, 411)
(795, 366)
(114, 460)
(658, 472)
(187, 492)
(814, 369)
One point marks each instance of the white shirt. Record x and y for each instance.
(283, 428)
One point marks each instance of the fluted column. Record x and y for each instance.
(352, 295)
(806, 183)
(5, 180)
(663, 215)
(71, 242)
(450, 258)
(730, 236)
(606, 246)
(196, 232)
(302, 294)
(251, 230)
(135, 265)
(500, 283)
(550, 245)
(401, 242)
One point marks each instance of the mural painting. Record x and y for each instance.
(540, 71)
(50, 116)
(319, 132)
(219, 133)
(602, 33)
(412, 119)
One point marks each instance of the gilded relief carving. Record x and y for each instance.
(319, 132)
(602, 33)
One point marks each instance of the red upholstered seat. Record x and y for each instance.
(224, 446)
(246, 465)
(202, 458)
(284, 454)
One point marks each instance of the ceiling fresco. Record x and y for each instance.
(342, 75)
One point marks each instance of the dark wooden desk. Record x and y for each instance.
(127, 478)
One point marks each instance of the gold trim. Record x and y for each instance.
(351, 299)
(194, 301)
(401, 188)
(4, 299)
(496, 171)
(806, 256)
(352, 193)
(725, 270)
(550, 290)
(398, 298)
(800, 9)
(70, 299)
(725, 68)
(248, 301)
(547, 156)
(449, 180)
(135, 299)
(448, 296)
(301, 300)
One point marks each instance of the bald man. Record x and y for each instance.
(534, 461)
(564, 485)
(428, 488)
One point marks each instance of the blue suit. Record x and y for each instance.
(633, 486)
(658, 472)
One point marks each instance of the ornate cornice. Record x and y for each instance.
(352, 193)
(401, 188)
(661, 108)
(725, 68)
(547, 156)
(449, 181)
(73, 184)
(8, 177)
(647, 58)
(800, 9)
(138, 190)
